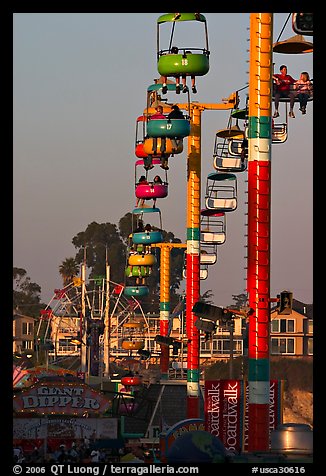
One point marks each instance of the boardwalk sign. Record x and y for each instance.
(226, 411)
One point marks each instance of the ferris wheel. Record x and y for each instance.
(83, 316)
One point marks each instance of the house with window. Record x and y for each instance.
(292, 334)
(23, 333)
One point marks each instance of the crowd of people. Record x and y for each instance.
(82, 452)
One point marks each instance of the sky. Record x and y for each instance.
(80, 82)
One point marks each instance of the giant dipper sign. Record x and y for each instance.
(60, 398)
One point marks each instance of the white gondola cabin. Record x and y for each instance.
(221, 192)
(212, 227)
(224, 160)
(208, 253)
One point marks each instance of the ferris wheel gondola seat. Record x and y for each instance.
(168, 128)
(136, 291)
(184, 64)
(169, 147)
(229, 164)
(142, 259)
(138, 271)
(140, 151)
(131, 380)
(147, 239)
(132, 345)
(150, 191)
(132, 325)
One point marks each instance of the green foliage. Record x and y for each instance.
(101, 241)
(104, 241)
(26, 295)
(68, 270)
(240, 300)
(207, 297)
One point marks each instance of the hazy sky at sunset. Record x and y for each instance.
(79, 83)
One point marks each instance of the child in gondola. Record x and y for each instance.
(303, 90)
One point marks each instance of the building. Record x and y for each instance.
(23, 333)
(292, 334)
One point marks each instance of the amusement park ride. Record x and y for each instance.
(102, 313)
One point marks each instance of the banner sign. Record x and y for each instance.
(224, 410)
(60, 398)
(74, 428)
(275, 408)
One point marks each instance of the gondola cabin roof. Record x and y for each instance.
(294, 45)
(158, 86)
(220, 177)
(233, 132)
(240, 113)
(205, 212)
(171, 17)
(139, 211)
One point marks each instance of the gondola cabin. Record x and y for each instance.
(164, 135)
(203, 270)
(144, 145)
(170, 128)
(212, 227)
(221, 192)
(140, 137)
(131, 380)
(136, 291)
(154, 235)
(166, 147)
(208, 253)
(132, 335)
(150, 190)
(279, 133)
(303, 23)
(187, 61)
(227, 158)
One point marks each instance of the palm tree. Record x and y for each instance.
(68, 270)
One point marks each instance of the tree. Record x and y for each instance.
(26, 295)
(240, 300)
(207, 297)
(68, 270)
(101, 241)
(98, 242)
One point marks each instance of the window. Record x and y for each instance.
(27, 328)
(66, 346)
(27, 345)
(310, 346)
(280, 346)
(221, 346)
(310, 326)
(282, 325)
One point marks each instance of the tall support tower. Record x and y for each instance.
(193, 243)
(193, 259)
(259, 200)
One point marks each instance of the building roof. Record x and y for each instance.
(22, 316)
(300, 307)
